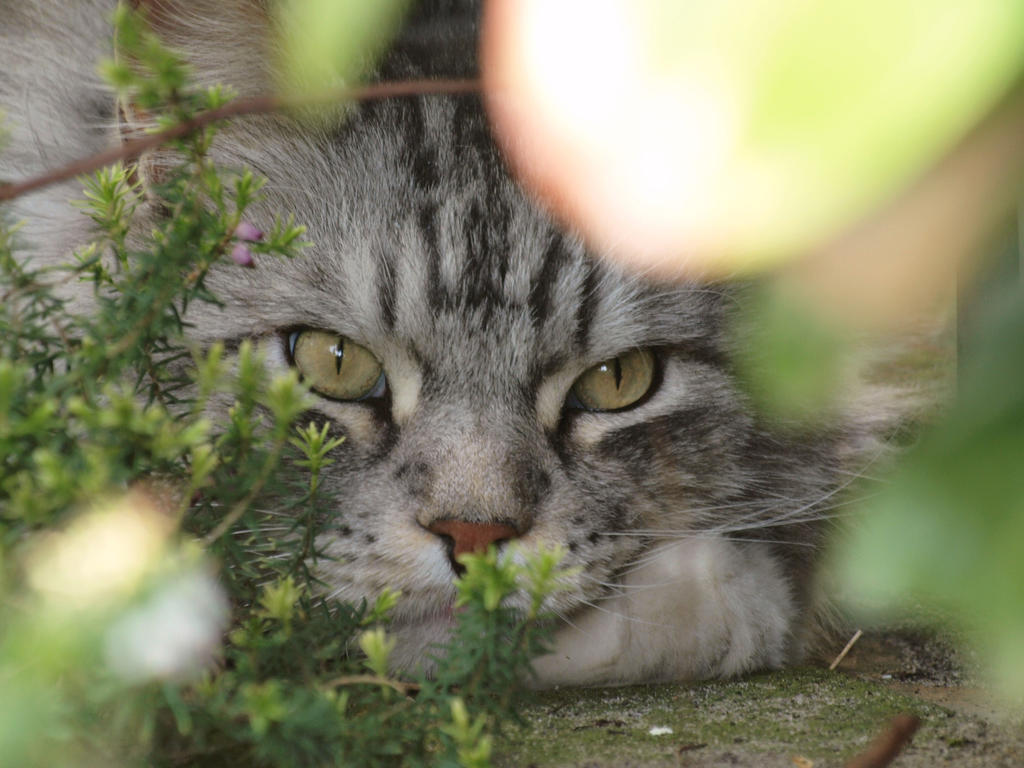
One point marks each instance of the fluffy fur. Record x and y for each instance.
(695, 526)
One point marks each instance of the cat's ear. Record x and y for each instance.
(224, 42)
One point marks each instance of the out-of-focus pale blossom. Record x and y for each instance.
(119, 564)
(102, 555)
(173, 634)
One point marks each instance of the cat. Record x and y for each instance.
(493, 380)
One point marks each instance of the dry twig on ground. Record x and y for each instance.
(888, 744)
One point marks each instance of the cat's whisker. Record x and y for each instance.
(261, 529)
(791, 516)
(619, 615)
(335, 593)
(861, 475)
(648, 557)
(766, 501)
(718, 534)
(784, 542)
(619, 589)
(659, 551)
(763, 517)
(562, 617)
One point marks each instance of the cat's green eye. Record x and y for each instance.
(335, 366)
(616, 383)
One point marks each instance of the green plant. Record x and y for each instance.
(151, 610)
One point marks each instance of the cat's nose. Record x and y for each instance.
(470, 537)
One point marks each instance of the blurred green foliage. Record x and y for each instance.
(829, 108)
(948, 529)
(943, 531)
(793, 362)
(328, 44)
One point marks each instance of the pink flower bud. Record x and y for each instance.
(241, 255)
(248, 231)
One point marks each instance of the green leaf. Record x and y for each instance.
(850, 98)
(486, 579)
(330, 43)
(792, 360)
(280, 600)
(378, 647)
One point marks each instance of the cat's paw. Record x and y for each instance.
(689, 609)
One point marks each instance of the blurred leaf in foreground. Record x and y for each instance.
(793, 358)
(331, 43)
(949, 530)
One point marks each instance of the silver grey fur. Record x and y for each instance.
(696, 527)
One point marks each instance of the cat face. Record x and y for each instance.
(472, 326)
(493, 381)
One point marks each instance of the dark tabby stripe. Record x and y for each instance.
(387, 288)
(437, 297)
(540, 300)
(587, 307)
(420, 153)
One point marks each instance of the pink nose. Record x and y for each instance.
(472, 537)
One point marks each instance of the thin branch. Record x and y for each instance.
(846, 649)
(130, 150)
(403, 688)
(888, 744)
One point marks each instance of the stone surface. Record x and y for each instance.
(807, 717)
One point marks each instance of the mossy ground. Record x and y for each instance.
(773, 719)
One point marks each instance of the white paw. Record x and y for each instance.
(691, 609)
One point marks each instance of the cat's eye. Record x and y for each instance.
(614, 384)
(335, 366)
